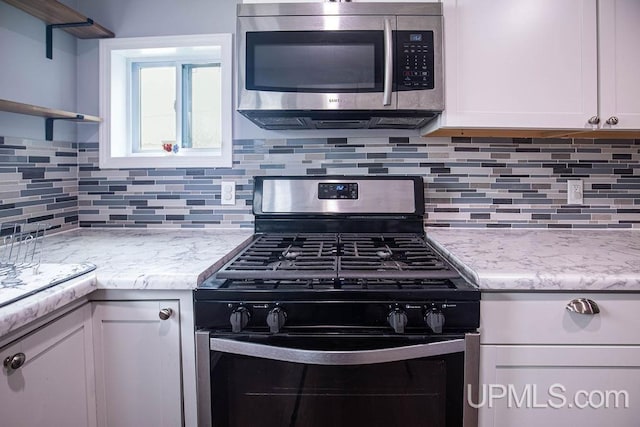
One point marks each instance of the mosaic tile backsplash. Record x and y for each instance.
(39, 182)
(479, 182)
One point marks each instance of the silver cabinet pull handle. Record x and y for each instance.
(583, 306)
(165, 313)
(594, 120)
(613, 120)
(15, 362)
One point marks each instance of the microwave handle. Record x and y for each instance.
(388, 62)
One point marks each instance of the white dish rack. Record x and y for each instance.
(21, 248)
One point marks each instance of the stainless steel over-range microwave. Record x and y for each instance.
(340, 65)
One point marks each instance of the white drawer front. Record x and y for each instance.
(542, 318)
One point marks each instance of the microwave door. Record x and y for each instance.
(316, 63)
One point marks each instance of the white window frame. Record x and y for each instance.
(116, 145)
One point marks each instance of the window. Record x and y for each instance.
(166, 101)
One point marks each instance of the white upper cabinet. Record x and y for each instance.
(619, 38)
(520, 64)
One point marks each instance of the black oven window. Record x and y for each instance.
(308, 61)
(251, 392)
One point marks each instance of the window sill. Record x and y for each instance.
(161, 160)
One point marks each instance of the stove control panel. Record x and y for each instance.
(341, 190)
(400, 317)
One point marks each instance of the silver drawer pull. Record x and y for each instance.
(15, 362)
(583, 306)
(165, 313)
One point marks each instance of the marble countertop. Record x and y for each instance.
(26, 310)
(543, 260)
(125, 259)
(146, 259)
(19, 283)
(495, 260)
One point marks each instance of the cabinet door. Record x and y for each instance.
(54, 386)
(138, 380)
(559, 385)
(520, 64)
(619, 36)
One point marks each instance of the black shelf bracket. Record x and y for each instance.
(48, 125)
(50, 28)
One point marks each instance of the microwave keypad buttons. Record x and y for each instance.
(416, 60)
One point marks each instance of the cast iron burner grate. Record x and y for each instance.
(330, 256)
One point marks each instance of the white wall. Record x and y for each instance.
(26, 75)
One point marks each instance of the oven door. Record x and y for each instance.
(316, 63)
(246, 380)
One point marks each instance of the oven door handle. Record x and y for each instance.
(319, 357)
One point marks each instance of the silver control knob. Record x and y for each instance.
(435, 321)
(276, 319)
(397, 320)
(239, 319)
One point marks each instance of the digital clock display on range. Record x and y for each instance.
(341, 190)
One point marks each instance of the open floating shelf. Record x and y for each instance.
(58, 15)
(49, 114)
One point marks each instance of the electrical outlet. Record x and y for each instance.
(228, 193)
(575, 193)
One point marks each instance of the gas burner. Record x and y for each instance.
(291, 254)
(384, 253)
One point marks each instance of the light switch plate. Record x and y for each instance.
(228, 193)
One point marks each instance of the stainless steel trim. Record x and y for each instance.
(292, 196)
(388, 62)
(340, 9)
(471, 379)
(312, 357)
(203, 380)
(583, 306)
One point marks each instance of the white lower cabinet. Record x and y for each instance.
(138, 363)
(51, 381)
(533, 386)
(542, 365)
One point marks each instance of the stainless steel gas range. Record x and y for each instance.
(337, 313)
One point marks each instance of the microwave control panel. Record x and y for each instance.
(414, 60)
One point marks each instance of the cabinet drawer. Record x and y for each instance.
(542, 318)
